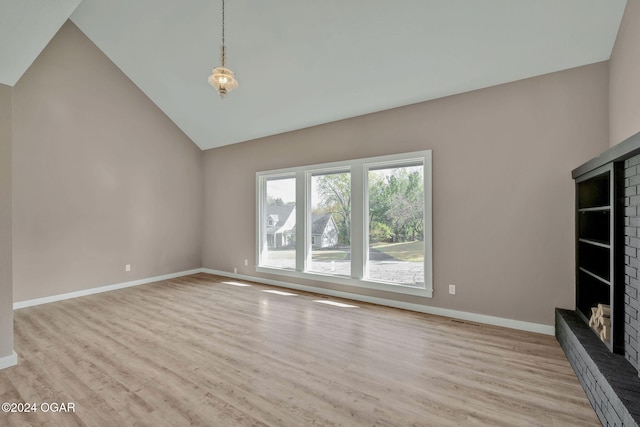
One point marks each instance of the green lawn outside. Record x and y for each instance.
(406, 251)
(317, 254)
(276, 254)
(329, 255)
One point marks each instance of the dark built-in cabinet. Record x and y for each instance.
(598, 222)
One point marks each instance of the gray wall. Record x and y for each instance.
(6, 286)
(624, 83)
(502, 189)
(102, 177)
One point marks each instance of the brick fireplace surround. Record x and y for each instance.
(611, 380)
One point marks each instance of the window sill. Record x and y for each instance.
(349, 281)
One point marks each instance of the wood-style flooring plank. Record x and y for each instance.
(196, 351)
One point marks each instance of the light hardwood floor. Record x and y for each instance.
(196, 351)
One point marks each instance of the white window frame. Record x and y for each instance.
(359, 221)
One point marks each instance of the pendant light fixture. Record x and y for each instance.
(222, 78)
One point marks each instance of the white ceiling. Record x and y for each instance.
(26, 26)
(306, 62)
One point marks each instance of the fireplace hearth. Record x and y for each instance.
(610, 382)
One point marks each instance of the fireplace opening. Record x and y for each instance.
(600, 322)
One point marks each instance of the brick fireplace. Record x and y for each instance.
(631, 258)
(609, 374)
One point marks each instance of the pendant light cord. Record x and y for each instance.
(222, 22)
(223, 52)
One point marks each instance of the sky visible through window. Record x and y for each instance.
(284, 189)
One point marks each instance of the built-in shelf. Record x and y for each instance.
(596, 209)
(595, 276)
(594, 243)
(595, 226)
(595, 233)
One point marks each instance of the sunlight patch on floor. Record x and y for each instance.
(335, 303)
(286, 294)
(235, 284)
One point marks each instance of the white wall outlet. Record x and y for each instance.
(127, 267)
(246, 262)
(452, 289)
(235, 270)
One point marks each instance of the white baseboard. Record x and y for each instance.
(462, 315)
(8, 361)
(85, 292)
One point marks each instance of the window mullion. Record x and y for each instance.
(261, 220)
(428, 223)
(302, 222)
(358, 233)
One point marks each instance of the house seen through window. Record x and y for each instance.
(281, 223)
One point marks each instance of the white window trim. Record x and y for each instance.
(359, 221)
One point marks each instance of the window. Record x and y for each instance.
(364, 222)
(396, 224)
(331, 223)
(280, 222)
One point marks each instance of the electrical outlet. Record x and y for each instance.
(246, 262)
(452, 289)
(235, 270)
(127, 267)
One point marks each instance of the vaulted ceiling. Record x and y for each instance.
(305, 62)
